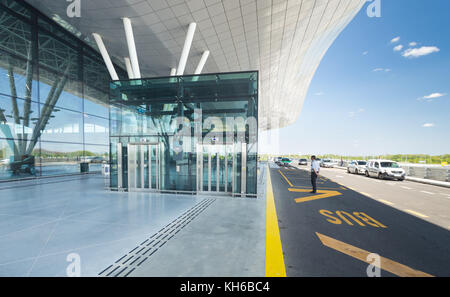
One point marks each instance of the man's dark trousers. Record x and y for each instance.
(313, 180)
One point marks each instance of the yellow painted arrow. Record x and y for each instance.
(323, 194)
(362, 255)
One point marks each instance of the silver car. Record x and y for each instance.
(385, 169)
(357, 167)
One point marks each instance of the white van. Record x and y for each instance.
(385, 169)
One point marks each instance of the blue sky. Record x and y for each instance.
(366, 98)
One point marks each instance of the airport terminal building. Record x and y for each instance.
(170, 94)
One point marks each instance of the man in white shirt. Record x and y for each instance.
(315, 169)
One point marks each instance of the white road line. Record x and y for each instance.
(385, 202)
(406, 188)
(425, 192)
(416, 213)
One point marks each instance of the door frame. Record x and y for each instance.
(132, 178)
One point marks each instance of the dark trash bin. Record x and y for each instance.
(84, 167)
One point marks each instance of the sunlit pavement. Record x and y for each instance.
(46, 226)
(333, 232)
(42, 224)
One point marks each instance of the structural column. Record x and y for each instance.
(132, 47)
(105, 55)
(202, 62)
(186, 48)
(129, 68)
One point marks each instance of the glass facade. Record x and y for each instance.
(186, 134)
(54, 92)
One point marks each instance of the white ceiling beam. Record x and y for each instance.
(202, 62)
(105, 55)
(173, 71)
(186, 48)
(132, 47)
(129, 68)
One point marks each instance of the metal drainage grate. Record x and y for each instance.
(134, 258)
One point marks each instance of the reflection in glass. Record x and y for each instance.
(47, 111)
(60, 158)
(96, 130)
(62, 125)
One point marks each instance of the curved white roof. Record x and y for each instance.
(284, 39)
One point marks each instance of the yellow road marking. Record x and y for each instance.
(321, 188)
(274, 251)
(385, 202)
(416, 213)
(365, 194)
(285, 178)
(360, 254)
(324, 194)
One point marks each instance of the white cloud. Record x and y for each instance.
(382, 70)
(396, 39)
(319, 93)
(352, 114)
(398, 48)
(412, 44)
(432, 96)
(365, 53)
(428, 125)
(419, 52)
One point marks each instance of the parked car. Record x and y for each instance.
(357, 167)
(277, 161)
(327, 163)
(385, 169)
(285, 162)
(303, 162)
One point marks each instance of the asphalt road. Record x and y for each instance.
(334, 235)
(428, 202)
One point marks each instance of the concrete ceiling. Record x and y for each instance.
(284, 39)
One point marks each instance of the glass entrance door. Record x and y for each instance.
(144, 167)
(215, 168)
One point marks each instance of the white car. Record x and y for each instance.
(327, 163)
(385, 169)
(357, 167)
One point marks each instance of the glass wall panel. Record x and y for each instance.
(17, 70)
(201, 124)
(96, 92)
(60, 83)
(60, 158)
(54, 92)
(96, 130)
(15, 122)
(62, 125)
(96, 155)
(14, 165)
